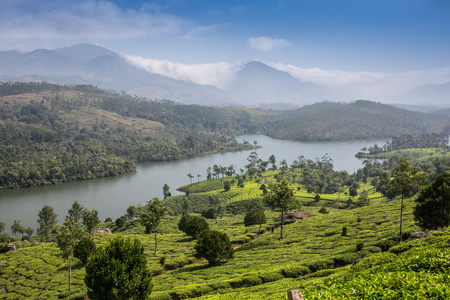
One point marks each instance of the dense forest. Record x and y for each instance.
(330, 121)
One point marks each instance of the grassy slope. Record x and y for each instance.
(265, 262)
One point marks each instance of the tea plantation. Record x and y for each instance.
(317, 255)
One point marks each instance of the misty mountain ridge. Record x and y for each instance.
(254, 84)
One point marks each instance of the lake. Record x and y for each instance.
(112, 196)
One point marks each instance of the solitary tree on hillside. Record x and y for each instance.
(281, 198)
(68, 236)
(47, 220)
(404, 182)
(154, 212)
(432, 209)
(214, 246)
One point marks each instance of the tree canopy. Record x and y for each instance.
(432, 210)
(119, 271)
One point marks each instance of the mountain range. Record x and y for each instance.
(253, 84)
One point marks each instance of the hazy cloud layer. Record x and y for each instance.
(364, 85)
(368, 85)
(264, 43)
(54, 19)
(218, 74)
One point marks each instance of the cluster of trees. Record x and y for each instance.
(408, 141)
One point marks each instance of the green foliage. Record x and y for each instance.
(154, 212)
(119, 271)
(281, 198)
(226, 186)
(192, 225)
(255, 216)
(47, 221)
(152, 216)
(323, 210)
(405, 181)
(84, 248)
(328, 121)
(121, 221)
(432, 210)
(214, 246)
(90, 219)
(210, 213)
(2, 227)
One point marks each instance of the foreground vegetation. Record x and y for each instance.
(346, 248)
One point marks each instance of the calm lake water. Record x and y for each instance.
(112, 196)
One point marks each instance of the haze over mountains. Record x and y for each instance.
(252, 84)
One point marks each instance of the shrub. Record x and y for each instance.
(84, 248)
(319, 265)
(108, 220)
(344, 231)
(119, 271)
(345, 259)
(121, 221)
(270, 276)
(214, 246)
(359, 246)
(295, 271)
(323, 210)
(192, 226)
(210, 214)
(25, 238)
(386, 244)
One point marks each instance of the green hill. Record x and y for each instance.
(330, 121)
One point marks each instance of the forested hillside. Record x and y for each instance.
(329, 121)
(51, 134)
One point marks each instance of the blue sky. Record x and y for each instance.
(352, 36)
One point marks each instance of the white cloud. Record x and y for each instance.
(218, 74)
(368, 85)
(264, 43)
(54, 19)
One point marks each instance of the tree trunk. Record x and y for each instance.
(156, 243)
(70, 272)
(401, 220)
(282, 221)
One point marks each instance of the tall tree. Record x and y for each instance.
(281, 198)
(432, 210)
(190, 176)
(76, 212)
(47, 221)
(152, 217)
(405, 180)
(68, 236)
